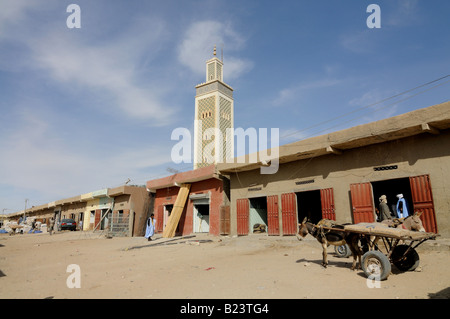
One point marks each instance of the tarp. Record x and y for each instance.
(34, 231)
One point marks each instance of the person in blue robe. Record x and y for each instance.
(402, 208)
(150, 230)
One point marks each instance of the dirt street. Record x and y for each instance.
(199, 267)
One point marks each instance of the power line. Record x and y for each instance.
(379, 109)
(370, 105)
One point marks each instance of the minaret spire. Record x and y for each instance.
(214, 111)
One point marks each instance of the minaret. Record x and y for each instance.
(213, 114)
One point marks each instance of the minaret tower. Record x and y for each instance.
(214, 116)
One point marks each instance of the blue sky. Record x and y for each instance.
(85, 109)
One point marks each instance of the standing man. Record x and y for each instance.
(51, 224)
(385, 213)
(150, 231)
(402, 209)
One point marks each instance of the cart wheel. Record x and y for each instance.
(403, 262)
(376, 265)
(342, 251)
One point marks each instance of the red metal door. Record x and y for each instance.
(224, 212)
(423, 201)
(98, 217)
(242, 207)
(327, 202)
(362, 203)
(272, 215)
(289, 213)
(160, 219)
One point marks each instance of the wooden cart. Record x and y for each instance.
(399, 246)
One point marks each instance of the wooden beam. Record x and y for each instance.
(430, 129)
(177, 210)
(332, 150)
(103, 217)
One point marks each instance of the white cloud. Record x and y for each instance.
(357, 41)
(370, 106)
(404, 14)
(40, 160)
(198, 43)
(14, 11)
(76, 59)
(295, 92)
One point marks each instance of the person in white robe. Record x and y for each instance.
(150, 230)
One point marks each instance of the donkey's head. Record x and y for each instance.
(302, 229)
(414, 222)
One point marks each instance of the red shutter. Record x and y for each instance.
(327, 201)
(289, 213)
(362, 203)
(272, 215)
(423, 201)
(224, 227)
(160, 219)
(98, 213)
(242, 216)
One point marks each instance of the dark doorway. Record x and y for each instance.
(309, 205)
(201, 218)
(258, 215)
(391, 188)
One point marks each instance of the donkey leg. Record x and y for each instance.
(356, 252)
(324, 255)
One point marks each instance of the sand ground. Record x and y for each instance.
(35, 266)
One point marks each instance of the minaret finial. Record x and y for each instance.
(214, 50)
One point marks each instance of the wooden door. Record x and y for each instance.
(289, 213)
(272, 215)
(327, 202)
(242, 216)
(362, 203)
(423, 201)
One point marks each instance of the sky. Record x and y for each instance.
(88, 108)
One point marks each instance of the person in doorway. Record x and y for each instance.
(150, 230)
(402, 209)
(51, 224)
(385, 213)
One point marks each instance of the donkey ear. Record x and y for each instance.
(304, 220)
(419, 213)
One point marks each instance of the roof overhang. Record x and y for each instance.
(430, 120)
(189, 177)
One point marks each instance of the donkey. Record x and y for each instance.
(334, 237)
(412, 222)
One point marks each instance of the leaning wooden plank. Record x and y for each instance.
(177, 210)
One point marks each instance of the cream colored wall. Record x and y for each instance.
(92, 204)
(418, 155)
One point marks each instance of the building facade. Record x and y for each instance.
(341, 176)
(206, 209)
(101, 210)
